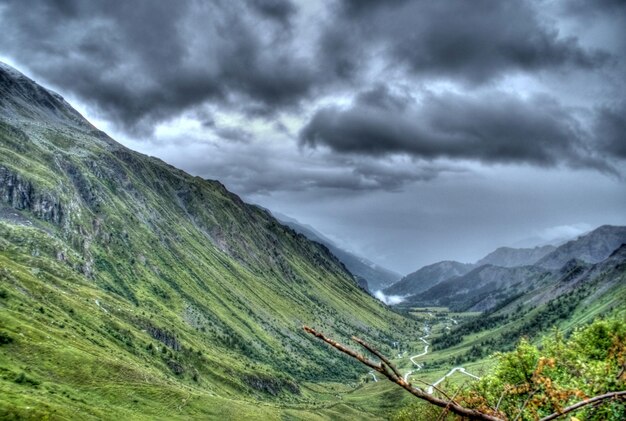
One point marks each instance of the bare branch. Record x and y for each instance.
(437, 389)
(452, 406)
(594, 400)
(378, 354)
(340, 347)
(500, 400)
(521, 410)
(447, 408)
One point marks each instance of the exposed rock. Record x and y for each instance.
(271, 385)
(164, 337)
(593, 247)
(428, 276)
(176, 367)
(21, 194)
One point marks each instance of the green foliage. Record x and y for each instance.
(538, 381)
(22, 378)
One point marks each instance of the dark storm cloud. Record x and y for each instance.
(144, 61)
(473, 41)
(587, 8)
(494, 127)
(281, 10)
(610, 130)
(234, 134)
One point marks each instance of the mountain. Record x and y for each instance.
(431, 275)
(482, 288)
(509, 257)
(567, 298)
(577, 274)
(130, 289)
(591, 248)
(489, 285)
(427, 277)
(376, 277)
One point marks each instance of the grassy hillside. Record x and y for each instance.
(131, 289)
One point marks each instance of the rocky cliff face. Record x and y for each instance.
(20, 194)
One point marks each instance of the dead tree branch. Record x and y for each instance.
(387, 370)
(594, 400)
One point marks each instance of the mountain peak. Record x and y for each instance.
(23, 99)
(592, 247)
(511, 257)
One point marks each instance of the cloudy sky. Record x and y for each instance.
(407, 131)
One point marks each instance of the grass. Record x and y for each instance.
(161, 295)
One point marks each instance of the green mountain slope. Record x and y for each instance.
(574, 295)
(132, 289)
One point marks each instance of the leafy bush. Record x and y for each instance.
(5, 338)
(545, 379)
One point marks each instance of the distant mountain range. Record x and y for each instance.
(428, 277)
(509, 257)
(369, 275)
(504, 273)
(591, 248)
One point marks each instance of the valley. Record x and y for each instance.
(130, 289)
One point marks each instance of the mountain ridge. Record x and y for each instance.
(591, 247)
(428, 276)
(375, 277)
(511, 257)
(136, 270)
(485, 286)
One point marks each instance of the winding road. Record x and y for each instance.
(431, 388)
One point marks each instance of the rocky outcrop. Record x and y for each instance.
(21, 194)
(164, 337)
(271, 385)
(87, 191)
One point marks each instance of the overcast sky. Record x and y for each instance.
(407, 131)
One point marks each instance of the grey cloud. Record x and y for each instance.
(251, 176)
(139, 63)
(147, 61)
(610, 130)
(493, 127)
(253, 169)
(281, 10)
(234, 134)
(471, 41)
(586, 8)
